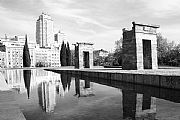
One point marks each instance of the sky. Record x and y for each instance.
(96, 21)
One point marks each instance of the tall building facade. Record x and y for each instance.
(44, 31)
(59, 38)
(48, 57)
(47, 51)
(2, 56)
(14, 51)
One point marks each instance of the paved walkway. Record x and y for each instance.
(9, 109)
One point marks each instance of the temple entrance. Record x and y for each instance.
(86, 59)
(147, 57)
(140, 47)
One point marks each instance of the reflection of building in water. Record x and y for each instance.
(42, 75)
(59, 89)
(48, 89)
(15, 78)
(138, 106)
(47, 96)
(83, 88)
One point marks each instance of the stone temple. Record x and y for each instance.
(140, 47)
(83, 55)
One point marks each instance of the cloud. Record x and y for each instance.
(28, 8)
(161, 8)
(95, 20)
(14, 24)
(106, 40)
(75, 14)
(170, 32)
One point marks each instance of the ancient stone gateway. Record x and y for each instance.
(83, 55)
(140, 47)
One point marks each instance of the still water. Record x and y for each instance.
(45, 95)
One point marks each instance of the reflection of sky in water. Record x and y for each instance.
(55, 96)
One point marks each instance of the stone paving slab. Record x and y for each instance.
(9, 109)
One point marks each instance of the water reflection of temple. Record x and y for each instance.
(138, 106)
(137, 101)
(83, 88)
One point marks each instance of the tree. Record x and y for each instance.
(118, 45)
(26, 55)
(168, 53)
(162, 49)
(68, 55)
(118, 53)
(63, 54)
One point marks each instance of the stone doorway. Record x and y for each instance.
(147, 57)
(86, 59)
(83, 55)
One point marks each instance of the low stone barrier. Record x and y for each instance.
(168, 81)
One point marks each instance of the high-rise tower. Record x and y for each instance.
(59, 38)
(44, 31)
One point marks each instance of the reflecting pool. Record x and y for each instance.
(45, 95)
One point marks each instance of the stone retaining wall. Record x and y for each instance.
(172, 82)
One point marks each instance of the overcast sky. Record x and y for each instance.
(97, 21)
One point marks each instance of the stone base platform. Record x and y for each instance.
(165, 78)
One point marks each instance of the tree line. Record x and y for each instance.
(65, 54)
(168, 52)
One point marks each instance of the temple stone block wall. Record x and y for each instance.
(140, 47)
(83, 55)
